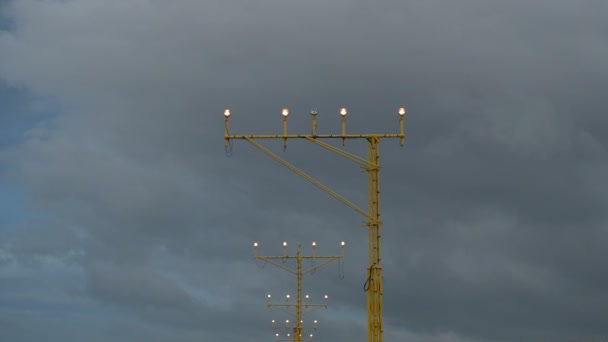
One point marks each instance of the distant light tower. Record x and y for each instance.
(296, 329)
(284, 333)
(287, 337)
(373, 285)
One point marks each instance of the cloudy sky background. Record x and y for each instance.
(122, 219)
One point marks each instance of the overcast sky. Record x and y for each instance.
(122, 219)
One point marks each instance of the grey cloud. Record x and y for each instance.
(494, 211)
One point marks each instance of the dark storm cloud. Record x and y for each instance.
(494, 211)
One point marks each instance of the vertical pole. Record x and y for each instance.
(343, 128)
(284, 132)
(227, 133)
(374, 286)
(297, 331)
(314, 124)
(401, 130)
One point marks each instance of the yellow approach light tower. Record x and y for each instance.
(289, 338)
(295, 330)
(371, 165)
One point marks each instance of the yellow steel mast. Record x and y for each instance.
(298, 328)
(371, 165)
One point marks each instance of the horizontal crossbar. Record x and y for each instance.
(309, 136)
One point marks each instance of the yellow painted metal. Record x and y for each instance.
(401, 130)
(300, 308)
(363, 162)
(284, 132)
(372, 166)
(319, 136)
(374, 280)
(227, 133)
(343, 130)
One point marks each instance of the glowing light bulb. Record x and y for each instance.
(401, 111)
(255, 244)
(343, 111)
(227, 112)
(285, 112)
